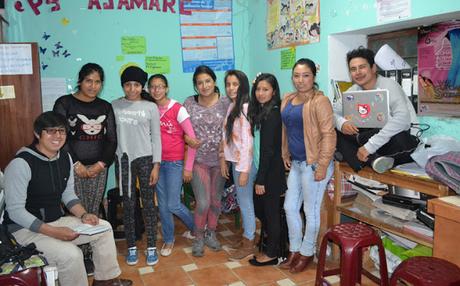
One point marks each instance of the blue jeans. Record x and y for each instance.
(168, 190)
(302, 187)
(244, 196)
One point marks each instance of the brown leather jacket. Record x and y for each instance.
(318, 131)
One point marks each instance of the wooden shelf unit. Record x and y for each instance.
(421, 185)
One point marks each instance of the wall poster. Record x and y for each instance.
(438, 50)
(292, 22)
(207, 35)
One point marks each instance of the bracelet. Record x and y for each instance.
(81, 217)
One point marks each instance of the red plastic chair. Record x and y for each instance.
(427, 271)
(352, 238)
(29, 277)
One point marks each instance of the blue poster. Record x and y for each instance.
(207, 35)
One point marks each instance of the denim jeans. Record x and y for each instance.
(244, 195)
(168, 190)
(302, 187)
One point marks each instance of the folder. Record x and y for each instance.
(415, 81)
(406, 81)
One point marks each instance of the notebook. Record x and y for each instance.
(366, 108)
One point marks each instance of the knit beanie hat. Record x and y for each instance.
(133, 73)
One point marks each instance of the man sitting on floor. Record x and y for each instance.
(379, 148)
(37, 181)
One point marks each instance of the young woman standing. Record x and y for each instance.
(91, 140)
(237, 149)
(270, 183)
(174, 123)
(309, 141)
(138, 156)
(207, 112)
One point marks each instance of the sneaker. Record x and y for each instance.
(211, 241)
(166, 249)
(89, 266)
(188, 234)
(152, 257)
(131, 258)
(198, 248)
(383, 164)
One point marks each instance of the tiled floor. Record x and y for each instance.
(181, 268)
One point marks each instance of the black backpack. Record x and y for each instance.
(12, 252)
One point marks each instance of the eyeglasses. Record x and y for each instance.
(53, 131)
(157, 87)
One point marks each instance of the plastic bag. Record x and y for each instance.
(433, 146)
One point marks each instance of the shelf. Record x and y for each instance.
(426, 186)
(390, 224)
(365, 214)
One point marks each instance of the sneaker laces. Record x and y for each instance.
(151, 251)
(132, 251)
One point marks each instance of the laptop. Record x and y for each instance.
(366, 108)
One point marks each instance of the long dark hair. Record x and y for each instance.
(242, 97)
(258, 112)
(207, 70)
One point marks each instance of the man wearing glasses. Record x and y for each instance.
(37, 181)
(379, 148)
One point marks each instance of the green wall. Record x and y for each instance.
(339, 16)
(94, 36)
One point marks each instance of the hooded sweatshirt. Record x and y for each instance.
(35, 187)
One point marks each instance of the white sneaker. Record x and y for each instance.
(383, 164)
(188, 234)
(166, 249)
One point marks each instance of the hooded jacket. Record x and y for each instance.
(35, 187)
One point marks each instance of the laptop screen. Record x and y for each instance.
(366, 108)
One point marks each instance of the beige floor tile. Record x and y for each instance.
(170, 277)
(213, 275)
(260, 275)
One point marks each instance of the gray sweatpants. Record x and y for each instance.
(68, 258)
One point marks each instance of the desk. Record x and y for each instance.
(446, 230)
(426, 186)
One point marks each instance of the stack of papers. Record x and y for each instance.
(411, 169)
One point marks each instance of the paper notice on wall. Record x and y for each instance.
(7, 92)
(133, 45)
(157, 64)
(52, 89)
(393, 10)
(15, 59)
(288, 58)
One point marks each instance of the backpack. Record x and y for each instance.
(15, 257)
